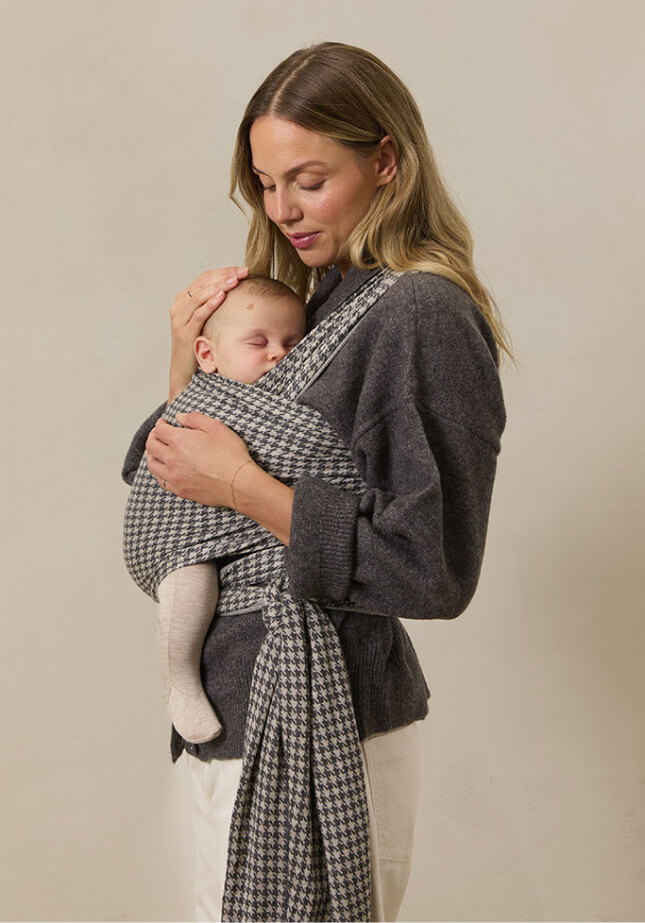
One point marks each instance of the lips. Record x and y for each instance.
(302, 241)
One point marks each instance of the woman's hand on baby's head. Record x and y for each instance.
(189, 312)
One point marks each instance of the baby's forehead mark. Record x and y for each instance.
(250, 306)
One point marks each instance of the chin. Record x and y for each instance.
(316, 261)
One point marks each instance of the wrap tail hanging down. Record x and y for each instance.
(299, 842)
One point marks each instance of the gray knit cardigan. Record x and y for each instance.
(415, 395)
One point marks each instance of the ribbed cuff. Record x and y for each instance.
(320, 556)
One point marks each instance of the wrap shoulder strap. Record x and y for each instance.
(311, 356)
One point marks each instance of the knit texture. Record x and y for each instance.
(299, 847)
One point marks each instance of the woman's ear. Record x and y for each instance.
(387, 161)
(205, 353)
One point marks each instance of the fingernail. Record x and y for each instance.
(232, 280)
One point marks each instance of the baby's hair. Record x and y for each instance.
(261, 285)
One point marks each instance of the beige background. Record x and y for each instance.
(117, 123)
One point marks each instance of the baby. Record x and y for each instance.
(256, 326)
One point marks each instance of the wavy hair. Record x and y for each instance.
(347, 94)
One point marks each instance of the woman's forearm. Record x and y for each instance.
(268, 501)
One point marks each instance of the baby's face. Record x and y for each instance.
(254, 333)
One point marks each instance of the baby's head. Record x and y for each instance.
(258, 323)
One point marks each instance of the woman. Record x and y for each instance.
(333, 159)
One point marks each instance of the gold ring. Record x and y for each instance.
(164, 485)
(190, 294)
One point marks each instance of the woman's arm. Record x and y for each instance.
(416, 394)
(137, 447)
(190, 310)
(412, 544)
(266, 500)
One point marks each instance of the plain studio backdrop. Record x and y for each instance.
(118, 121)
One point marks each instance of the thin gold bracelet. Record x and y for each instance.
(247, 462)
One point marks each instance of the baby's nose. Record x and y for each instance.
(277, 353)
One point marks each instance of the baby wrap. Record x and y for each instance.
(299, 840)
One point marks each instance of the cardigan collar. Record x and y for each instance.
(333, 290)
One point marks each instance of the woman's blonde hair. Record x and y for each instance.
(347, 94)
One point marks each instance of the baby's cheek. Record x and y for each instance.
(252, 373)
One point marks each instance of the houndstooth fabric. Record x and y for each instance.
(299, 844)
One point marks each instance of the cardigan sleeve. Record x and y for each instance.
(138, 445)
(412, 544)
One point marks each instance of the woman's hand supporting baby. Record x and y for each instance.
(190, 310)
(199, 461)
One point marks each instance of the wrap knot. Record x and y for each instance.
(280, 607)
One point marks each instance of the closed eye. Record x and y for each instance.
(311, 188)
(257, 341)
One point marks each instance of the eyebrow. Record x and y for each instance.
(262, 332)
(297, 169)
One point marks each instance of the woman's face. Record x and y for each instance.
(316, 190)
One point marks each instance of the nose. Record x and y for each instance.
(284, 208)
(276, 353)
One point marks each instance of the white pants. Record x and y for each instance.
(392, 770)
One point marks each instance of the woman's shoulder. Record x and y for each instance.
(432, 308)
(437, 297)
(453, 355)
(421, 344)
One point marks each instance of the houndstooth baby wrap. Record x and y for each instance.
(299, 839)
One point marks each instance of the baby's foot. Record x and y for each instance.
(193, 716)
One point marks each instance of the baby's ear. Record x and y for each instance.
(205, 352)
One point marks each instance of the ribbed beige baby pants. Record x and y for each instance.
(392, 771)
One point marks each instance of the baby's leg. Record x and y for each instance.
(187, 600)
